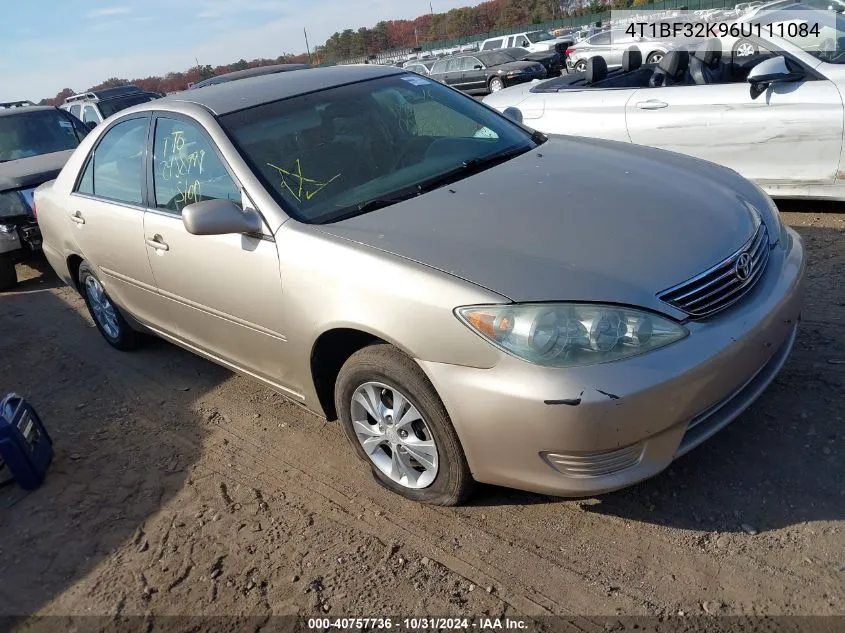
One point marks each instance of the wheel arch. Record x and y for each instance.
(330, 350)
(74, 261)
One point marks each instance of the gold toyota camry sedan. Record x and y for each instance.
(468, 301)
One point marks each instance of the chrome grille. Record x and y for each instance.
(723, 285)
(595, 464)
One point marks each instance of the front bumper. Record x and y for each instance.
(588, 430)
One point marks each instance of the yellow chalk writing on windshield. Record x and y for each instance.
(301, 184)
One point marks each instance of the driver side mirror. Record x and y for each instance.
(478, 67)
(219, 217)
(771, 71)
(90, 125)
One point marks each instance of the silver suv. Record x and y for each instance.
(94, 107)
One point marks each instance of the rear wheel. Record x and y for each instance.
(581, 66)
(396, 422)
(107, 317)
(8, 275)
(496, 84)
(654, 57)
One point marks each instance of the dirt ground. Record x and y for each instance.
(180, 488)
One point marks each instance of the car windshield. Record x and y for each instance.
(352, 149)
(539, 36)
(496, 58)
(110, 106)
(26, 134)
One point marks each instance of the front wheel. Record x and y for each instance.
(744, 48)
(396, 422)
(654, 57)
(107, 317)
(496, 84)
(8, 275)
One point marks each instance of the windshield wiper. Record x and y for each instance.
(373, 205)
(469, 167)
(463, 170)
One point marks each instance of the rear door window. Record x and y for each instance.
(89, 115)
(440, 67)
(115, 169)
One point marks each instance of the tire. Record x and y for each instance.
(496, 84)
(107, 316)
(580, 66)
(396, 373)
(8, 275)
(744, 48)
(654, 57)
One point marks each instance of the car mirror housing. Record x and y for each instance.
(478, 67)
(219, 217)
(90, 125)
(514, 114)
(770, 71)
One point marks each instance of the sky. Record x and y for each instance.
(54, 44)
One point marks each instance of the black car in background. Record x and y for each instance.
(552, 60)
(35, 143)
(248, 72)
(485, 72)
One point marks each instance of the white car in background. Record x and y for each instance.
(775, 117)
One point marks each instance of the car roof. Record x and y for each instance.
(249, 72)
(23, 110)
(232, 96)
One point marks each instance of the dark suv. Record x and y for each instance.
(35, 143)
(96, 106)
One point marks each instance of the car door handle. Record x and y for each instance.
(157, 243)
(651, 104)
(77, 217)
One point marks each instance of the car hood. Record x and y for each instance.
(618, 224)
(33, 171)
(511, 96)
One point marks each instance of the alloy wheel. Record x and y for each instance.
(394, 435)
(496, 84)
(103, 309)
(744, 49)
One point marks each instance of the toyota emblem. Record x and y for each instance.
(744, 267)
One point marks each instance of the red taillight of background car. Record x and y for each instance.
(34, 210)
(569, 51)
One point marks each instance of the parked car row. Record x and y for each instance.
(775, 116)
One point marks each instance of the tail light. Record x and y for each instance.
(569, 51)
(34, 210)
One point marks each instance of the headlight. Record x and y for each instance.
(571, 334)
(7, 228)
